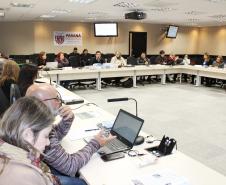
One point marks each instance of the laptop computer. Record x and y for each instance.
(126, 127)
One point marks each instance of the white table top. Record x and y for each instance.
(121, 171)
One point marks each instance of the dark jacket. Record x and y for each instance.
(40, 62)
(160, 60)
(207, 63)
(85, 59)
(94, 61)
(142, 61)
(62, 63)
(6, 87)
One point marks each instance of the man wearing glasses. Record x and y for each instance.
(56, 157)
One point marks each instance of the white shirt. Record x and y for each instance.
(118, 62)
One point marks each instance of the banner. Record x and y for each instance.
(62, 38)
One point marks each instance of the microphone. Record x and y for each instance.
(117, 99)
(124, 99)
(73, 101)
(49, 76)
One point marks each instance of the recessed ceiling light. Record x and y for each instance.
(47, 16)
(21, 5)
(82, 1)
(60, 11)
(2, 14)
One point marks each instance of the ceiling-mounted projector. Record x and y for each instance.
(135, 15)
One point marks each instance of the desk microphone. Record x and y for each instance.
(124, 99)
(118, 99)
(140, 139)
(50, 79)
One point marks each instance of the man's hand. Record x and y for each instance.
(102, 139)
(66, 113)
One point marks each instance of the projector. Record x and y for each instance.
(135, 15)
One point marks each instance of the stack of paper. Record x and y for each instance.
(163, 177)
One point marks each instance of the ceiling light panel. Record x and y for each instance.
(21, 5)
(2, 14)
(60, 11)
(82, 1)
(47, 16)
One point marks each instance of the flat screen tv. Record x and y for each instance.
(106, 29)
(172, 32)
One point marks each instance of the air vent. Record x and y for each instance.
(193, 20)
(125, 5)
(166, 9)
(194, 13)
(220, 16)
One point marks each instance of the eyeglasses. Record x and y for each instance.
(57, 99)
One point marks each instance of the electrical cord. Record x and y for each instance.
(86, 104)
(134, 153)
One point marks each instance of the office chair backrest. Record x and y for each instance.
(4, 102)
(14, 93)
(132, 60)
(75, 61)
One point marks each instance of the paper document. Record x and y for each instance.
(83, 132)
(163, 177)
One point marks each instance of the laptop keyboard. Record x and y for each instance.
(115, 144)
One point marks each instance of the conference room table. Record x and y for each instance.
(122, 171)
(90, 72)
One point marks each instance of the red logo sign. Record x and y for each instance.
(59, 39)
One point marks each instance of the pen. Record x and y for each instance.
(91, 129)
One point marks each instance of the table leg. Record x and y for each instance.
(163, 79)
(98, 83)
(180, 78)
(134, 81)
(58, 82)
(198, 80)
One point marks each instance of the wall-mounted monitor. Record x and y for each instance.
(106, 29)
(172, 31)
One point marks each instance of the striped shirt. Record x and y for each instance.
(58, 158)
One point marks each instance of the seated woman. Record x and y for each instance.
(27, 76)
(143, 60)
(24, 133)
(61, 60)
(9, 76)
(41, 60)
(219, 62)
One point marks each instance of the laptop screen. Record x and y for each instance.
(127, 126)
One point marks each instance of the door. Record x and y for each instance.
(137, 43)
